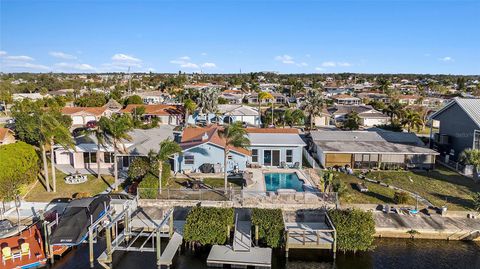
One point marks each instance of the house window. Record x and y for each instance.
(254, 155)
(89, 157)
(189, 159)
(476, 139)
(289, 155)
(108, 157)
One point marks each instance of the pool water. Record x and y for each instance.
(275, 181)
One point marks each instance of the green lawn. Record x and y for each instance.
(441, 187)
(92, 186)
(376, 195)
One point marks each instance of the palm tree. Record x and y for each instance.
(116, 130)
(208, 102)
(352, 121)
(394, 109)
(59, 135)
(189, 107)
(411, 119)
(168, 149)
(263, 96)
(235, 136)
(313, 105)
(100, 136)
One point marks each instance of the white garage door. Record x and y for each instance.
(89, 118)
(77, 120)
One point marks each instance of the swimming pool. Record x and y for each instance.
(275, 181)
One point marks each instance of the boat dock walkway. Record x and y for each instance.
(240, 254)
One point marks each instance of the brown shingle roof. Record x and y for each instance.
(158, 109)
(193, 136)
(97, 111)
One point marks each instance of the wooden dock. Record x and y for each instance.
(309, 230)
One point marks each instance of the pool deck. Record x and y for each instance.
(259, 180)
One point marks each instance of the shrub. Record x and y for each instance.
(138, 168)
(149, 187)
(400, 197)
(79, 195)
(270, 226)
(208, 225)
(355, 229)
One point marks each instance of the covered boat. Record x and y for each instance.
(77, 217)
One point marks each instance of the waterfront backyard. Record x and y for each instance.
(93, 186)
(442, 187)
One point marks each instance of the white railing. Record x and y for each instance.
(313, 163)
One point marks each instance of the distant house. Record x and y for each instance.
(153, 97)
(82, 115)
(370, 149)
(278, 98)
(228, 114)
(407, 99)
(375, 96)
(6, 136)
(344, 99)
(232, 96)
(332, 91)
(32, 96)
(85, 154)
(202, 146)
(323, 119)
(368, 115)
(459, 127)
(167, 114)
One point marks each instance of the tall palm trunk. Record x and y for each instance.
(98, 161)
(272, 112)
(45, 167)
(259, 112)
(54, 175)
(311, 122)
(160, 168)
(225, 153)
(115, 164)
(186, 117)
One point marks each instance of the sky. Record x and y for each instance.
(389, 36)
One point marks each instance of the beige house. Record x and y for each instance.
(6, 136)
(81, 115)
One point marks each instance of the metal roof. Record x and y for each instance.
(471, 106)
(275, 139)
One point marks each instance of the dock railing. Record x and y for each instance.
(218, 194)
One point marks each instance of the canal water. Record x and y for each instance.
(388, 254)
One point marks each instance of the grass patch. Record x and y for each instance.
(376, 194)
(219, 182)
(440, 186)
(92, 186)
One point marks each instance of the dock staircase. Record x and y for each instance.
(242, 240)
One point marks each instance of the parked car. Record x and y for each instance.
(92, 124)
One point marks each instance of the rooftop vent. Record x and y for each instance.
(204, 136)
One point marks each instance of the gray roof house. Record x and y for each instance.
(371, 149)
(84, 157)
(459, 127)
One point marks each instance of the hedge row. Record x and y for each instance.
(270, 226)
(208, 225)
(355, 229)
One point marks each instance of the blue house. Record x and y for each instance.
(203, 150)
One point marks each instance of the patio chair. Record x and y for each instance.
(6, 254)
(283, 165)
(296, 165)
(25, 249)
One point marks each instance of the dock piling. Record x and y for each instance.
(90, 247)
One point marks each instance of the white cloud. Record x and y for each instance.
(120, 57)
(203, 54)
(184, 62)
(74, 66)
(189, 65)
(446, 59)
(62, 55)
(25, 65)
(286, 59)
(319, 69)
(20, 58)
(3, 53)
(329, 64)
(336, 64)
(209, 65)
(302, 64)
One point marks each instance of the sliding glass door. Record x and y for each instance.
(271, 157)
